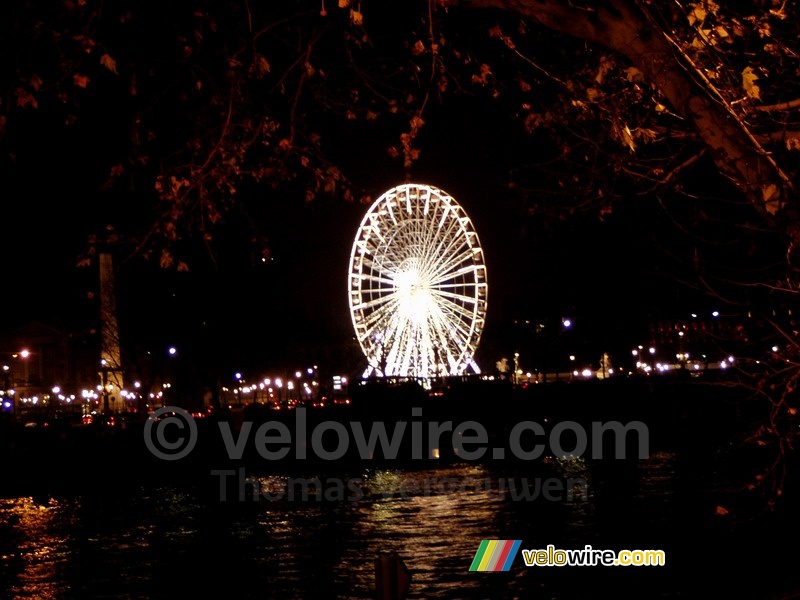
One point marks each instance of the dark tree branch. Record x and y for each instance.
(622, 26)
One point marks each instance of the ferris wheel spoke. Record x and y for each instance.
(460, 263)
(455, 307)
(432, 222)
(393, 326)
(385, 265)
(452, 324)
(375, 330)
(450, 246)
(463, 265)
(385, 351)
(388, 284)
(412, 236)
(458, 299)
(445, 240)
(387, 262)
(470, 289)
(430, 228)
(398, 356)
(440, 326)
(444, 343)
(453, 334)
(379, 336)
(394, 248)
(443, 232)
(388, 297)
(452, 357)
(373, 320)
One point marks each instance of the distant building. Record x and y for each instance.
(38, 356)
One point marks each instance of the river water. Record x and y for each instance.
(164, 540)
(122, 534)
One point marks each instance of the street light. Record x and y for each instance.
(239, 382)
(24, 354)
(9, 402)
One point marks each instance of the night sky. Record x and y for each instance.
(610, 275)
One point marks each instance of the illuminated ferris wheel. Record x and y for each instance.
(417, 285)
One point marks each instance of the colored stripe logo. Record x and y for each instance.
(495, 555)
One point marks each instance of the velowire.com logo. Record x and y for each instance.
(495, 555)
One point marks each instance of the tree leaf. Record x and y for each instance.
(605, 66)
(260, 66)
(25, 98)
(645, 135)
(771, 198)
(634, 74)
(166, 259)
(749, 77)
(80, 80)
(698, 14)
(627, 137)
(109, 63)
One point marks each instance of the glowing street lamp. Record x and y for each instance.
(24, 355)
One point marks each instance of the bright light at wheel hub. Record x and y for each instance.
(414, 297)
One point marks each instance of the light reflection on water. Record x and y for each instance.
(175, 541)
(35, 543)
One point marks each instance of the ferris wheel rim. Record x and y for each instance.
(425, 296)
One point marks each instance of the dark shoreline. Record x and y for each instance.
(704, 423)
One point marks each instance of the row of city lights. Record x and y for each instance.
(272, 386)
